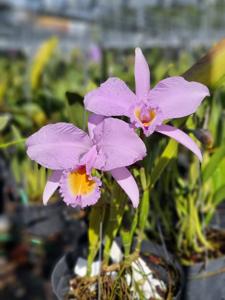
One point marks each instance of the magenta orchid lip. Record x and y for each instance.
(173, 97)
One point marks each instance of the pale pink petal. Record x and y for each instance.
(93, 121)
(142, 75)
(112, 98)
(51, 185)
(58, 146)
(177, 97)
(118, 145)
(125, 179)
(181, 138)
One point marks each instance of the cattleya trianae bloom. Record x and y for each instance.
(72, 154)
(173, 97)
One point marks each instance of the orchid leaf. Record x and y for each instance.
(41, 59)
(219, 196)
(128, 234)
(215, 115)
(74, 97)
(213, 163)
(4, 120)
(89, 87)
(143, 216)
(11, 143)
(75, 109)
(210, 69)
(17, 136)
(168, 154)
(3, 89)
(15, 167)
(143, 207)
(96, 218)
(34, 112)
(143, 178)
(117, 207)
(218, 178)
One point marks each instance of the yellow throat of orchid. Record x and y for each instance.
(79, 182)
(145, 119)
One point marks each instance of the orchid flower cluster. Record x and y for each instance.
(111, 144)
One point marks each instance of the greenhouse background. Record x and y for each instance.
(52, 54)
(119, 24)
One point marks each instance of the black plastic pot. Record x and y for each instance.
(151, 248)
(70, 238)
(42, 220)
(205, 281)
(63, 270)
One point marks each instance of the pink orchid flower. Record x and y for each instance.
(173, 97)
(72, 154)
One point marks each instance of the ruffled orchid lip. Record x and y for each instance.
(79, 188)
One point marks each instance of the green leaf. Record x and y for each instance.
(17, 137)
(143, 217)
(117, 207)
(218, 178)
(42, 57)
(89, 87)
(219, 196)
(168, 154)
(23, 121)
(127, 235)
(144, 210)
(74, 97)
(143, 178)
(210, 69)
(76, 112)
(96, 218)
(4, 120)
(12, 143)
(213, 163)
(3, 89)
(215, 114)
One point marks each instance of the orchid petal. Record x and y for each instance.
(93, 121)
(89, 158)
(125, 179)
(58, 146)
(142, 75)
(118, 145)
(177, 97)
(51, 185)
(181, 138)
(112, 98)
